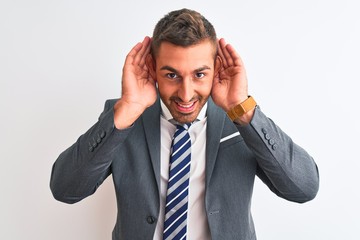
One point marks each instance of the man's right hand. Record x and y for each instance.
(138, 87)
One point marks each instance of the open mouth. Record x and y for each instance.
(185, 107)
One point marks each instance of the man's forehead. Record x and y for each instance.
(192, 57)
(206, 46)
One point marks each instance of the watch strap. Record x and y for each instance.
(242, 108)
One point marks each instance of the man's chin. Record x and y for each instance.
(185, 117)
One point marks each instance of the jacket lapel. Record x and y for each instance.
(215, 123)
(151, 123)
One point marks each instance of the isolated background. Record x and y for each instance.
(60, 60)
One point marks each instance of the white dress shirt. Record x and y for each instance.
(197, 224)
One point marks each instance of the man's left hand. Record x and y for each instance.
(230, 86)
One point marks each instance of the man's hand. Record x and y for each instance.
(230, 86)
(138, 87)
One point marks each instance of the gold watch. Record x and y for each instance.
(242, 108)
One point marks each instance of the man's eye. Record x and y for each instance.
(200, 75)
(171, 75)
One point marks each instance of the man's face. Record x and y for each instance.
(185, 77)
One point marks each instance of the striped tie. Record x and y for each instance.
(178, 185)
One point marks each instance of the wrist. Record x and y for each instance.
(245, 119)
(125, 113)
(242, 113)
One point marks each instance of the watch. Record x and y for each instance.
(242, 108)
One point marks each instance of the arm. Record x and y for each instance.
(138, 86)
(287, 169)
(80, 169)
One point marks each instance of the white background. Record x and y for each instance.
(60, 60)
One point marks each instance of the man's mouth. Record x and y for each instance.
(185, 107)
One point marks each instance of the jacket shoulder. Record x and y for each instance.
(109, 103)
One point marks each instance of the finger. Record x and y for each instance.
(226, 53)
(146, 52)
(132, 54)
(221, 54)
(139, 55)
(234, 55)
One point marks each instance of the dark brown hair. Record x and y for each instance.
(184, 28)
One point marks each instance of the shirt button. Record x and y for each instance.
(150, 219)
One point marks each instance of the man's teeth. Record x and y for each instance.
(186, 105)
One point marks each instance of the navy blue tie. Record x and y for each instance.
(178, 185)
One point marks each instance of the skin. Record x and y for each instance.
(186, 77)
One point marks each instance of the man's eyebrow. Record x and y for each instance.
(200, 69)
(171, 69)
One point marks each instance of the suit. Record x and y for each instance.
(234, 155)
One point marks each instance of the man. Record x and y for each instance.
(184, 81)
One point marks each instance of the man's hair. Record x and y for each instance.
(184, 28)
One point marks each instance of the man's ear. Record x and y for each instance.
(218, 65)
(151, 65)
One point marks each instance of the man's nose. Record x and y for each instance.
(186, 90)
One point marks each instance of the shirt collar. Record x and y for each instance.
(167, 115)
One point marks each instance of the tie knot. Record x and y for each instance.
(182, 127)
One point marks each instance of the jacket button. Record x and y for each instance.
(274, 147)
(267, 136)
(150, 219)
(264, 131)
(271, 141)
(102, 134)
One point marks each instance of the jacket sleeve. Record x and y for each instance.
(287, 169)
(81, 168)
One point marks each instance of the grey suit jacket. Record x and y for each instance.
(234, 155)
